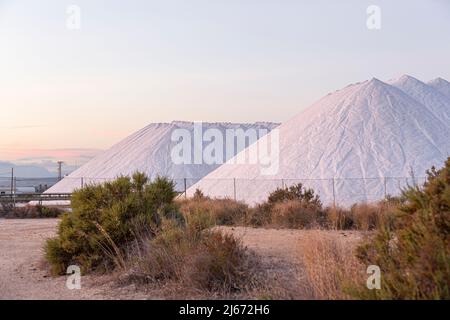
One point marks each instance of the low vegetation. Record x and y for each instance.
(195, 258)
(412, 248)
(294, 207)
(9, 211)
(331, 267)
(136, 227)
(106, 218)
(224, 212)
(410, 245)
(141, 230)
(407, 238)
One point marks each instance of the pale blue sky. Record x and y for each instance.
(136, 62)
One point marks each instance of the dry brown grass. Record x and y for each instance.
(290, 214)
(330, 265)
(368, 216)
(295, 214)
(223, 211)
(338, 218)
(194, 259)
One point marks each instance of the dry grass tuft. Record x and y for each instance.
(296, 215)
(330, 265)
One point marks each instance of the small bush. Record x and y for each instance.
(297, 215)
(293, 207)
(198, 221)
(220, 264)
(136, 225)
(198, 195)
(223, 211)
(161, 258)
(296, 192)
(412, 247)
(6, 208)
(195, 258)
(260, 215)
(105, 218)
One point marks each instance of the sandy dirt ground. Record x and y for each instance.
(279, 251)
(23, 274)
(22, 269)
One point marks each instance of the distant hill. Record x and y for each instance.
(25, 171)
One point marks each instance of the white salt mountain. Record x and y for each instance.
(441, 85)
(436, 102)
(356, 144)
(149, 150)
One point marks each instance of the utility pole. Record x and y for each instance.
(60, 170)
(12, 181)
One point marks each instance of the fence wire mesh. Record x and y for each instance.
(331, 190)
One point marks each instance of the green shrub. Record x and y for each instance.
(106, 217)
(295, 192)
(137, 226)
(412, 247)
(290, 207)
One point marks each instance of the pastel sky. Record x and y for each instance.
(65, 93)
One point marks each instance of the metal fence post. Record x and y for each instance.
(385, 188)
(234, 188)
(185, 189)
(334, 194)
(82, 182)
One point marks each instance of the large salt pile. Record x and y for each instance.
(150, 150)
(441, 85)
(360, 143)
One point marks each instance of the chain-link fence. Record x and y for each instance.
(339, 191)
(25, 185)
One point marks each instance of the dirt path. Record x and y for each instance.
(279, 250)
(22, 275)
(282, 244)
